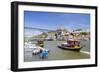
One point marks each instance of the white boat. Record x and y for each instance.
(34, 48)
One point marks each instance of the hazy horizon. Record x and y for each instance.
(54, 20)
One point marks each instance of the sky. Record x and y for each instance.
(54, 20)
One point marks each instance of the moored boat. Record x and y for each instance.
(40, 43)
(70, 48)
(73, 45)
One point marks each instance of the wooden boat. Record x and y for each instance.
(40, 43)
(70, 48)
(72, 45)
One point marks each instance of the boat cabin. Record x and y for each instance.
(73, 43)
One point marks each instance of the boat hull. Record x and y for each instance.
(68, 48)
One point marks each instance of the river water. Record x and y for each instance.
(57, 53)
